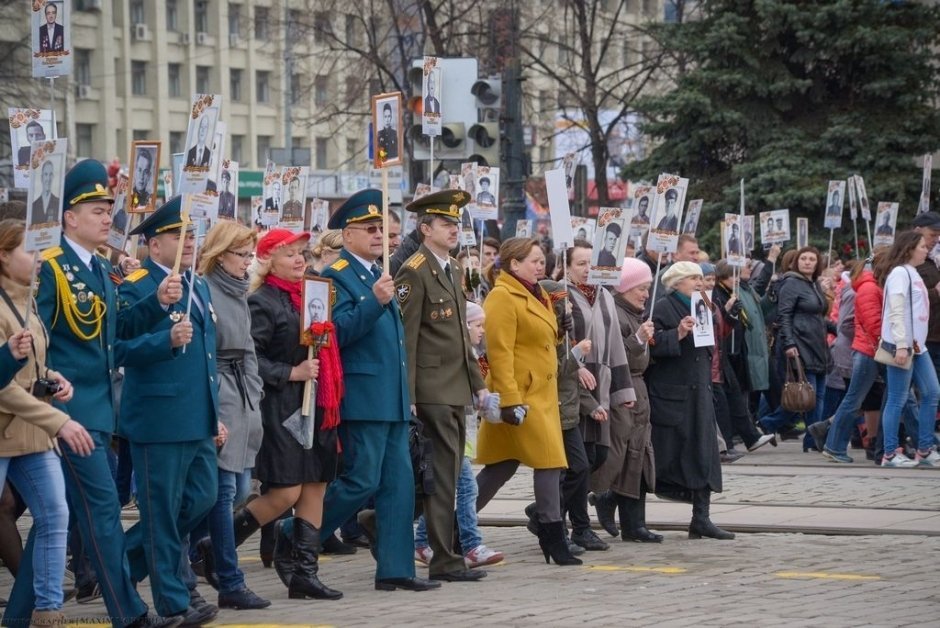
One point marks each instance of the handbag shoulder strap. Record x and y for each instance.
(19, 319)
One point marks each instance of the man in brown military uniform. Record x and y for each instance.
(443, 375)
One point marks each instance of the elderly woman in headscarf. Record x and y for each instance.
(682, 411)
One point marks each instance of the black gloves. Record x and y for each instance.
(513, 415)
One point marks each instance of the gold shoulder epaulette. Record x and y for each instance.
(339, 264)
(48, 254)
(137, 275)
(416, 260)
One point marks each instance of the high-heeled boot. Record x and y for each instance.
(305, 582)
(633, 520)
(701, 524)
(244, 525)
(553, 544)
(605, 505)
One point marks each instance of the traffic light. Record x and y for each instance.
(485, 136)
(488, 93)
(458, 111)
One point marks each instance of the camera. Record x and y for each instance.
(45, 387)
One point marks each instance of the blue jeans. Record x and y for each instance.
(221, 530)
(780, 417)
(466, 512)
(864, 374)
(923, 376)
(38, 478)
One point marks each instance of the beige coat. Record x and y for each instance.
(521, 334)
(27, 424)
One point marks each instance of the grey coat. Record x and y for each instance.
(239, 383)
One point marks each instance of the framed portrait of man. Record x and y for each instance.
(431, 114)
(835, 200)
(703, 333)
(228, 190)
(644, 197)
(610, 245)
(120, 220)
(293, 197)
(886, 221)
(51, 40)
(523, 228)
(690, 225)
(802, 232)
(732, 239)
(145, 173)
(388, 140)
(27, 126)
(316, 304)
(666, 217)
(200, 133)
(774, 226)
(44, 198)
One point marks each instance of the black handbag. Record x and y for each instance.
(421, 458)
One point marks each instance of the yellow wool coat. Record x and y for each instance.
(521, 334)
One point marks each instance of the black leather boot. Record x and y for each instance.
(701, 525)
(605, 505)
(553, 544)
(633, 520)
(305, 583)
(283, 556)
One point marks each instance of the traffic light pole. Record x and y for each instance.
(513, 150)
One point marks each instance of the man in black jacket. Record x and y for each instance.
(928, 224)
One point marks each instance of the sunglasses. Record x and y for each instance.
(371, 229)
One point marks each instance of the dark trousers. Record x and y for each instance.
(731, 413)
(445, 426)
(92, 497)
(574, 480)
(177, 487)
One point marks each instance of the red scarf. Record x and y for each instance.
(292, 288)
(533, 288)
(330, 381)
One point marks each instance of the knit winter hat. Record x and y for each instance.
(474, 312)
(707, 268)
(679, 271)
(633, 273)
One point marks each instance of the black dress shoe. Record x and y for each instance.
(195, 617)
(244, 599)
(589, 540)
(357, 541)
(88, 592)
(332, 545)
(199, 603)
(408, 584)
(467, 575)
(155, 621)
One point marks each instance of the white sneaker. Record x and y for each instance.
(898, 460)
(932, 459)
(424, 555)
(482, 555)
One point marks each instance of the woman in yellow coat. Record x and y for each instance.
(521, 333)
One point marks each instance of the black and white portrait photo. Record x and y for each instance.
(387, 128)
(431, 114)
(46, 205)
(51, 46)
(835, 199)
(145, 162)
(316, 302)
(200, 133)
(27, 126)
(44, 199)
(703, 333)
(228, 190)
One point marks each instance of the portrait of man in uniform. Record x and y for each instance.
(885, 228)
(46, 206)
(386, 122)
(388, 136)
(34, 133)
(200, 154)
(144, 177)
(293, 206)
(226, 196)
(51, 34)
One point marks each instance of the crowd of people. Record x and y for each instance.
(171, 383)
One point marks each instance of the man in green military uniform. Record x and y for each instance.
(443, 375)
(77, 301)
(169, 416)
(388, 135)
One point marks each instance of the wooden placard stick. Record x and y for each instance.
(385, 260)
(184, 217)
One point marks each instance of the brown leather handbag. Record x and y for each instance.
(798, 394)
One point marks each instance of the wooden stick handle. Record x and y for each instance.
(308, 389)
(385, 254)
(184, 216)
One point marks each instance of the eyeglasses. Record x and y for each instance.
(248, 255)
(371, 229)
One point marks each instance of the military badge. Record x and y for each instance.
(82, 297)
(403, 291)
(333, 294)
(434, 315)
(176, 316)
(448, 313)
(69, 276)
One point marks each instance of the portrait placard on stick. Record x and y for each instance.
(924, 205)
(387, 126)
(293, 197)
(862, 197)
(610, 244)
(468, 171)
(487, 193)
(703, 333)
(120, 219)
(583, 228)
(257, 210)
(835, 200)
(644, 199)
(748, 235)
(733, 240)
(558, 207)
(316, 306)
(667, 214)
(200, 136)
(775, 227)
(886, 223)
(467, 236)
(319, 217)
(44, 199)
(27, 126)
(52, 38)
(430, 97)
(144, 162)
(228, 190)
(524, 228)
(691, 216)
(271, 187)
(802, 232)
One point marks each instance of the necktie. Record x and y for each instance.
(376, 271)
(447, 272)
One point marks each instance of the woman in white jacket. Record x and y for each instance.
(904, 331)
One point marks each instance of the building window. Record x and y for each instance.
(235, 84)
(352, 149)
(234, 19)
(296, 89)
(322, 27)
(139, 78)
(238, 142)
(140, 136)
(352, 89)
(138, 12)
(264, 147)
(202, 16)
(176, 141)
(174, 84)
(261, 23)
(172, 15)
(84, 138)
(351, 31)
(83, 66)
(321, 91)
(295, 27)
(203, 82)
(322, 161)
(263, 86)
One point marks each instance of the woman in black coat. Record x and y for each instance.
(682, 411)
(801, 316)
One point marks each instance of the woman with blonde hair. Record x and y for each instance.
(226, 255)
(522, 331)
(325, 251)
(30, 425)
